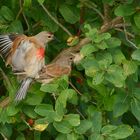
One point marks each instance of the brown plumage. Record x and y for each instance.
(25, 55)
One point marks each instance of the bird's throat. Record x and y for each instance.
(40, 52)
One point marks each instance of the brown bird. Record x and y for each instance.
(25, 55)
(57, 68)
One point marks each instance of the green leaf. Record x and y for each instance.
(104, 60)
(96, 136)
(121, 132)
(73, 119)
(44, 109)
(136, 93)
(121, 104)
(49, 88)
(84, 126)
(48, 22)
(20, 137)
(16, 26)
(7, 13)
(137, 19)
(113, 42)
(136, 55)
(98, 78)
(117, 132)
(100, 37)
(62, 82)
(118, 56)
(102, 45)
(135, 108)
(91, 32)
(45, 120)
(12, 110)
(63, 126)
(59, 107)
(97, 123)
(29, 111)
(72, 136)
(125, 10)
(120, 108)
(88, 49)
(115, 75)
(70, 13)
(4, 116)
(92, 69)
(107, 129)
(34, 98)
(6, 130)
(61, 102)
(61, 136)
(27, 3)
(130, 67)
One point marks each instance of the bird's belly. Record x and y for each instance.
(34, 67)
(18, 62)
(29, 67)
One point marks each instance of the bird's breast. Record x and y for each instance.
(40, 53)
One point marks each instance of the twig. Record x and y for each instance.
(105, 27)
(81, 114)
(6, 79)
(33, 26)
(129, 34)
(26, 21)
(95, 9)
(121, 25)
(20, 11)
(106, 13)
(126, 37)
(58, 23)
(5, 138)
(75, 88)
(27, 125)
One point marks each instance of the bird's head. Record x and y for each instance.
(44, 37)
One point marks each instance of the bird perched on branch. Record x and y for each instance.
(25, 55)
(57, 68)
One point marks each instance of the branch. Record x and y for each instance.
(59, 24)
(106, 13)
(109, 25)
(95, 9)
(128, 34)
(21, 11)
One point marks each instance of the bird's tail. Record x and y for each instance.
(22, 91)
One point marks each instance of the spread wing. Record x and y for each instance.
(6, 42)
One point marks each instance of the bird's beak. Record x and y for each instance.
(56, 39)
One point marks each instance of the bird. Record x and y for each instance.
(57, 68)
(26, 55)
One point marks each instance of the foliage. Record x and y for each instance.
(108, 107)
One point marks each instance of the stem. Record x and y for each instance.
(26, 21)
(53, 18)
(126, 37)
(75, 88)
(95, 9)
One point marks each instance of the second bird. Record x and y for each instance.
(26, 57)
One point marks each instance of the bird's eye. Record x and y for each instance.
(49, 36)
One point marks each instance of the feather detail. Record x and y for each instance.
(5, 46)
(22, 91)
